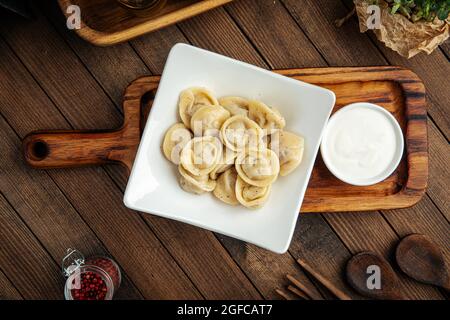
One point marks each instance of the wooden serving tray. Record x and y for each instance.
(105, 22)
(398, 90)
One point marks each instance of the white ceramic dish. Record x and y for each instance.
(153, 186)
(373, 123)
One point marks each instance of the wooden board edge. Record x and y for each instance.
(104, 39)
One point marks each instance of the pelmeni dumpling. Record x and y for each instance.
(228, 158)
(175, 139)
(267, 118)
(191, 100)
(195, 184)
(258, 168)
(235, 105)
(289, 148)
(250, 196)
(201, 155)
(239, 131)
(226, 187)
(208, 120)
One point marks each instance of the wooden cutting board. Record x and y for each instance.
(398, 90)
(105, 22)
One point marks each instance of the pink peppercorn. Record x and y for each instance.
(96, 278)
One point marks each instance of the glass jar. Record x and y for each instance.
(94, 278)
(142, 7)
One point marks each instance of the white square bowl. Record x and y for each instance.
(153, 184)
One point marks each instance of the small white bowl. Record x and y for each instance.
(153, 186)
(330, 131)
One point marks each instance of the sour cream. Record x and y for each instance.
(362, 144)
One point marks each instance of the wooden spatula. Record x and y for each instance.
(421, 259)
(358, 271)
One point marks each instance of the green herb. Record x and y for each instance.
(416, 10)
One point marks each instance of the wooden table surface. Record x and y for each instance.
(51, 79)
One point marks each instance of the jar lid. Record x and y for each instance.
(72, 261)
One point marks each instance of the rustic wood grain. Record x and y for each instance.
(34, 195)
(230, 281)
(317, 243)
(7, 289)
(439, 170)
(105, 23)
(214, 265)
(314, 238)
(278, 39)
(334, 47)
(24, 260)
(206, 31)
(104, 205)
(423, 218)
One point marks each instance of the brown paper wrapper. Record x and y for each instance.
(402, 35)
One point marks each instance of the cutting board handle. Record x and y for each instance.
(58, 149)
(63, 148)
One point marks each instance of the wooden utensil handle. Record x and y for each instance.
(57, 149)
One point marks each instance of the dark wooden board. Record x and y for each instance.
(398, 90)
(105, 22)
(326, 241)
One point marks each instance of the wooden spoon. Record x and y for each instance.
(421, 259)
(358, 273)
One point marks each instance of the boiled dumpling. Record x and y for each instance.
(175, 139)
(289, 148)
(208, 120)
(201, 155)
(235, 105)
(258, 168)
(250, 196)
(226, 187)
(195, 184)
(193, 99)
(238, 132)
(228, 157)
(267, 118)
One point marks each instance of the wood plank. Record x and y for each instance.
(24, 261)
(153, 48)
(377, 225)
(430, 223)
(207, 31)
(315, 242)
(202, 259)
(344, 46)
(276, 36)
(98, 206)
(7, 289)
(438, 181)
(267, 270)
(34, 195)
(445, 47)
